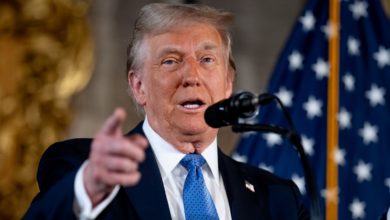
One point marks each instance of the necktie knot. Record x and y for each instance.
(191, 161)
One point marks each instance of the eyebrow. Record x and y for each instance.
(169, 50)
(206, 45)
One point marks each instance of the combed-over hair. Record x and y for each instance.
(161, 18)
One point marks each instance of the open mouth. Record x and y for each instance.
(192, 103)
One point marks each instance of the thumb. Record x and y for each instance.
(114, 123)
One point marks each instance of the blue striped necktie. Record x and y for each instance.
(198, 203)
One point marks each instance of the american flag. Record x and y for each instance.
(300, 80)
(249, 186)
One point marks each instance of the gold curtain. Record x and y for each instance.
(46, 56)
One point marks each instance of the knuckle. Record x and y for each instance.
(135, 166)
(122, 181)
(136, 151)
(144, 142)
(118, 164)
(142, 156)
(132, 166)
(137, 177)
(130, 179)
(118, 146)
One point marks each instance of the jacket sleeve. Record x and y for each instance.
(56, 175)
(303, 213)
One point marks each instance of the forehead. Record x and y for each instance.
(185, 39)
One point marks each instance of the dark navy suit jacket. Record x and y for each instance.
(274, 197)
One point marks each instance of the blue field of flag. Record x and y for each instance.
(300, 80)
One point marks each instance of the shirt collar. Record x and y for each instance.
(168, 156)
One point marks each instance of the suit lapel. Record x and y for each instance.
(244, 204)
(148, 196)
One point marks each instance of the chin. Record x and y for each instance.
(192, 126)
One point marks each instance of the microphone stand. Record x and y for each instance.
(295, 139)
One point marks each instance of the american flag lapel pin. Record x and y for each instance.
(249, 186)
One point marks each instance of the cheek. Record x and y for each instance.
(162, 88)
(217, 86)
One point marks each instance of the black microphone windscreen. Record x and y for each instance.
(213, 116)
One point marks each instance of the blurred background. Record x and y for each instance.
(62, 73)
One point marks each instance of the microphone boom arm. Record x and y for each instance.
(239, 128)
(244, 106)
(294, 139)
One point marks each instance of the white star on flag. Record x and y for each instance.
(363, 171)
(331, 195)
(300, 182)
(330, 29)
(357, 209)
(308, 21)
(344, 117)
(387, 183)
(359, 9)
(295, 60)
(240, 158)
(321, 68)
(313, 107)
(339, 156)
(267, 168)
(272, 139)
(285, 96)
(353, 46)
(349, 82)
(382, 56)
(376, 95)
(369, 133)
(308, 145)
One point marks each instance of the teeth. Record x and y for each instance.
(191, 106)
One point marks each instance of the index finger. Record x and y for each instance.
(114, 123)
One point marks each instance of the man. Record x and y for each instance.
(179, 63)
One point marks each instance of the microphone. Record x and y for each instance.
(242, 105)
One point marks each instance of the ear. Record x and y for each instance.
(229, 86)
(137, 86)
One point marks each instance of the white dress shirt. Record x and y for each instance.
(173, 175)
(388, 214)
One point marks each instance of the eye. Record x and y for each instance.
(169, 62)
(207, 60)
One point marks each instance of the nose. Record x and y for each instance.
(191, 74)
